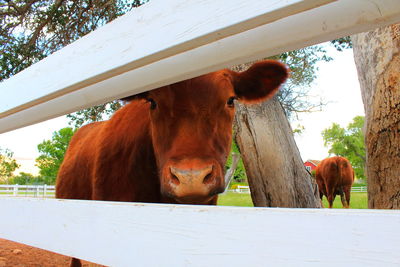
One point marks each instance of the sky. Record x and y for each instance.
(336, 83)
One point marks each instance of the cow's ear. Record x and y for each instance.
(260, 82)
(143, 95)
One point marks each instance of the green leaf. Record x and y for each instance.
(348, 142)
(52, 153)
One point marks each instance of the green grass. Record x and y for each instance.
(235, 199)
(357, 200)
(50, 194)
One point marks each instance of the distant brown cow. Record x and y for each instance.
(335, 176)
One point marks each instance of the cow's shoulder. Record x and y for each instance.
(84, 135)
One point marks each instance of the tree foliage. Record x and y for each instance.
(52, 154)
(24, 178)
(348, 143)
(7, 165)
(92, 114)
(295, 94)
(342, 43)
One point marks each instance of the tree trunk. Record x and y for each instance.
(377, 58)
(275, 171)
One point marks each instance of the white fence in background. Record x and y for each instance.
(359, 189)
(240, 189)
(49, 190)
(246, 190)
(164, 42)
(27, 190)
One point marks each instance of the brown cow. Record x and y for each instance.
(335, 176)
(168, 145)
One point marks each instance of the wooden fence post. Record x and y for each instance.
(15, 193)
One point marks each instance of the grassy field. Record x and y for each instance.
(29, 194)
(357, 201)
(235, 199)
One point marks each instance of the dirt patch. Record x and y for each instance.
(19, 255)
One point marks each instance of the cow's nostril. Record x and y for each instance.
(192, 177)
(208, 179)
(175, 179)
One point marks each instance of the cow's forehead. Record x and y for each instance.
(214, 85)
(209, 87)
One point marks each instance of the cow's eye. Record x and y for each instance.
(231, 101)
(153, 104)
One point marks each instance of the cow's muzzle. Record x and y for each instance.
(193, 185)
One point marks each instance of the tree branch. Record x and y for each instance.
(229, 174)
(39, 28)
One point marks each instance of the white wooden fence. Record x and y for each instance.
(359, 189)
(49, 190)
(246, 190)
(164, 42)
(241, 189)
(27, 190)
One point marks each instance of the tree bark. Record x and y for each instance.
(229, 173)
(274, 168)
(377, 57)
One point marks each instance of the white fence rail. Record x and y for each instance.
(360, 189)
(49, 190)
(129, 234)
(27, 190)
(116, 57)
(127, 53)
(164, 42)
(240, 189)
(246, 190)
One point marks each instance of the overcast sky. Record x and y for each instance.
(337, 83)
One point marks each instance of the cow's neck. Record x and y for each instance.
(129, 172)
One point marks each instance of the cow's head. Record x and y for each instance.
(191, 127)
